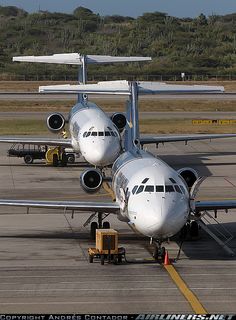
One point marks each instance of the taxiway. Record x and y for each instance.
(44, 265)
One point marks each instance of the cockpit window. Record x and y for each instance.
(177, 188)
(172, 180)
(112, 133)
(107, 133)
(140, 189)
(149, 189)
(169, 188)
(85, 134)
(94, 134)
(134, 189)
(159, 188)
(145, 180)
(182, 188)
(115, 133)
(101, 133)
(88, 134)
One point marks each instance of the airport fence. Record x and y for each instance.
(107, 77)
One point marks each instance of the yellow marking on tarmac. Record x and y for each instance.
(108, 189)
(188, 294)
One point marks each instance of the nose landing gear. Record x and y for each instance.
(159, 251)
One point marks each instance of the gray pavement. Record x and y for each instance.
(43, 256)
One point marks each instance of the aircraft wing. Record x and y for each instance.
(38, 141)
(215, 205)
(106, 207)
(123, 87)
(174, 138)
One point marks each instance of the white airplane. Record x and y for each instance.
(151, 197)
(92, 133)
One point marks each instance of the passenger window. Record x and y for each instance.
(177, 188)
(140, 189)
(88, 134)
(107, 133)
(94, 134)
(169, 188)
(172, 180)
(85, 134)
(145, 180)
(159, 188)
(101, 134)
(134, 189)
(149, 189)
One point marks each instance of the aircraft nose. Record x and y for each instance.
(159, 221)
(101, 153)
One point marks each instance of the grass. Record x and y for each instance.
(151, 126)
(116, 105)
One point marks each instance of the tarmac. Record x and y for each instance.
(44, 265)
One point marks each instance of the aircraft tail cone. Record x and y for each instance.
(166, 260)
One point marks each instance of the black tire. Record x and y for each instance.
(102, 259)
(115, 259)
(70, 158)
(93, 228)
(119, 258)
(106, 225)
(64, 160)
(91, 258)
(55, 160)
(194, 229)
(163, 253)
(28, 159)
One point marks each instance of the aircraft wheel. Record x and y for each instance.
(162, 253)
(194, 229)
(28, 159)
(93, 228)
(55, 160)
(106, 225)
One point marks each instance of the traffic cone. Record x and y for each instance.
(166, 261)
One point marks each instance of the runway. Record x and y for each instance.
(44, 264)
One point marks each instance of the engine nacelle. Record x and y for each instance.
(119, 119)
(91, 180)
(55, 122)
(189, 175)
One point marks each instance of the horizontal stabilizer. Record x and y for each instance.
(123, 87)
(77, 59)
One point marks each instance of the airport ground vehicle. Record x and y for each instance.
(106, 247)
(32, 152)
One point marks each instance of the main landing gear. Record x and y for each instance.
(101, 224)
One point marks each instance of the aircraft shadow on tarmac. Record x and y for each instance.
(198, 161)
(202, 248)
(205, 248)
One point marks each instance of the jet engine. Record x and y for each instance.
(189, 175)
(119, 120)
(55, 122)
(91, 180)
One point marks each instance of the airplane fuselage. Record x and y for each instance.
(93, 134)
(153, 197)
